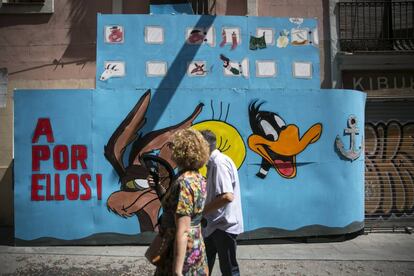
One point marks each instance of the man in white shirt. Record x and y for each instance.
(222, 210)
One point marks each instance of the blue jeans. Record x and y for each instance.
(224, 244)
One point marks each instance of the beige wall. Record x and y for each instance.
(231, 7)
(44, 51)
(6, 168)
(52, 46)
(133, 7)
(290, 8)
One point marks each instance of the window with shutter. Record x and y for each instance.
(373, 26)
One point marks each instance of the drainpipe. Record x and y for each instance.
(335, 66)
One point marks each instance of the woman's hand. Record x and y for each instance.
(150, 181)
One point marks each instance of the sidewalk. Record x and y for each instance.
(371, 254)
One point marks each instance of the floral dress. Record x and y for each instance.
(186, 197)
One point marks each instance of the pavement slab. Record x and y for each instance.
(372, 254)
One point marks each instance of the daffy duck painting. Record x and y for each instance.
(276, 142)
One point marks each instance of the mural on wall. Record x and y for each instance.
(114, 34)
(113, 69)
(352, 153)
(135, 197)
(156, 74)
(276, 142)
(230, 36)
(257, 42)
(198, 69)
(229, 139)
(65, 158)
(235, 68)
(389, 169)
(201, 36)
(240, 43)
(302, 35)
(283, 39)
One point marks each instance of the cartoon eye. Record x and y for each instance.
(142, 183)
(137, 184)
(279, 121)
(269, 130)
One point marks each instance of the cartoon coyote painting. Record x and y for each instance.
(135, 197)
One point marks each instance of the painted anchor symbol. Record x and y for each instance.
(352, 153)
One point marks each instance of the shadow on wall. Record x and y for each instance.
(235, 7)
(174, 76)
(145, 204)
(11, 20)
(76, 18)
(82, 32)
(6, 206)
(216, 7)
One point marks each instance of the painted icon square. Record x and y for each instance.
(266, 68)
(113, 69)
(114, 34)
(154, 35)
(197, 69)
(156, 68)
(302, 70)
(197, 36)
(268, 33)
(299, 36)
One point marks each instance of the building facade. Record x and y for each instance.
(51, 44)
(373, 51)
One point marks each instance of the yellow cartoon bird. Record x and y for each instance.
(229, 140)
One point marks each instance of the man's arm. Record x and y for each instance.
(223, 188)
(220, 201)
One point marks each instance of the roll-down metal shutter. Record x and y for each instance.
(389, 163)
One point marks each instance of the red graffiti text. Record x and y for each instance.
(65, 158)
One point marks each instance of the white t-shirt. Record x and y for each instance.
(222, 177)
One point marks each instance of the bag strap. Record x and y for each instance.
(151, 162)
(195, 220)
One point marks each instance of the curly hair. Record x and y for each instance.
(189, 149)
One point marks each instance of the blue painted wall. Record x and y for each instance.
(325, 197)
(177, 53)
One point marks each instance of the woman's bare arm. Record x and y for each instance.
(183, 224)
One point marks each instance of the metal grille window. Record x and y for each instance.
(26, 6)
(201, 6)
(376, 25)
(23, 1)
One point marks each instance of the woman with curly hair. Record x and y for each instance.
(185, 200)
